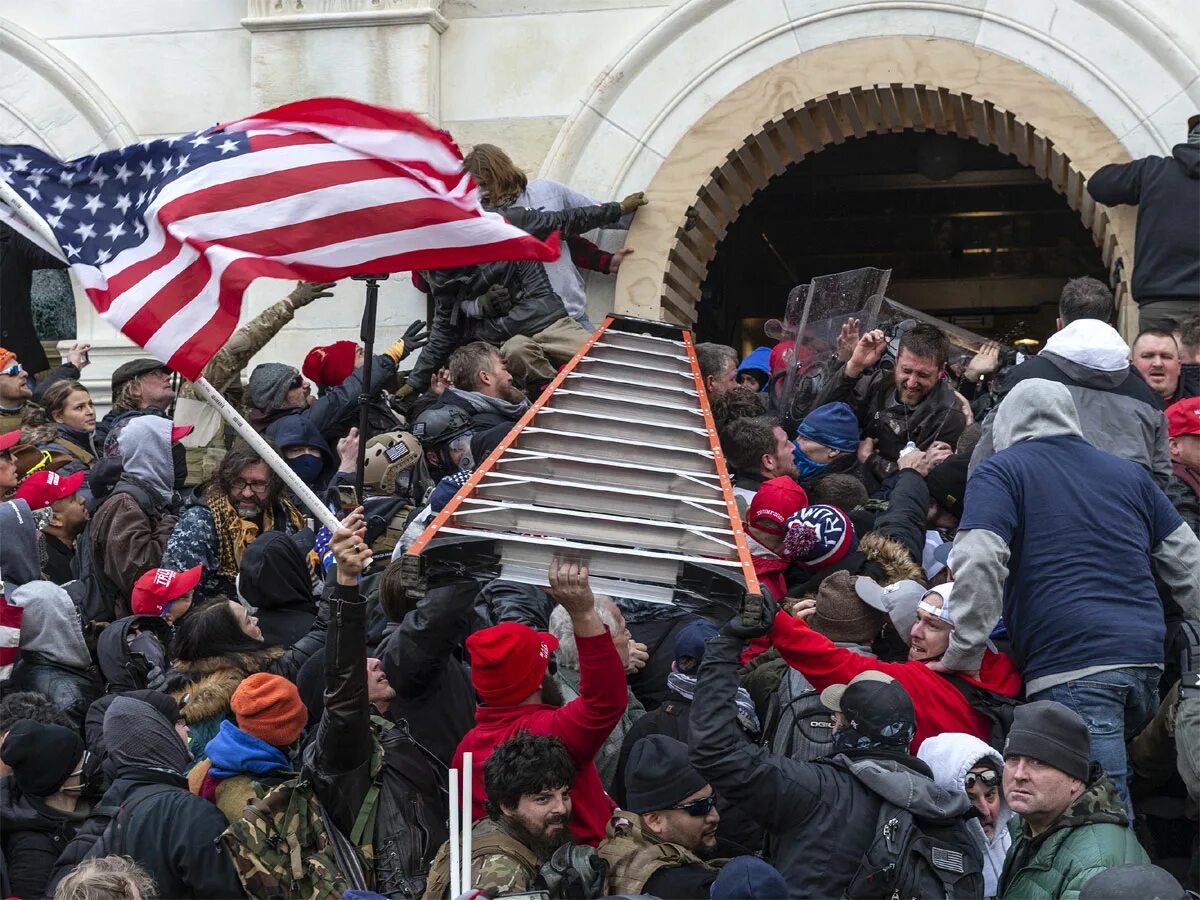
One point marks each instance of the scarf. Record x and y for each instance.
(234, 534)
(482, 403)
(685, 686)
(235, 752)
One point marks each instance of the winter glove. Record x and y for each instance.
(755, 618)
(406, 391)
(495, 302)
(415, 337)
(633, 202)
(306, 292)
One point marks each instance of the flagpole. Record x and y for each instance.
(367, 335)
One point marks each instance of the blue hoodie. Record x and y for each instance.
(234, 752)
(298, 431)
(759, 360)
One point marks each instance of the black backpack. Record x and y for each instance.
(913, 858)
(798, 725)
(996, 708)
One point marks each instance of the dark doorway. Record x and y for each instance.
(971, 235)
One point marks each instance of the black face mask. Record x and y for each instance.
(179, 461)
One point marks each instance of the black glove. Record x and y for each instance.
(416, 335)
(756, 617)
(495, 301)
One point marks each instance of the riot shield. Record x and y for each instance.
(814, 317)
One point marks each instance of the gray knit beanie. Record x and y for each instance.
(269, 385)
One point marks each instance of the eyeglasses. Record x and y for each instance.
(988, 779)
(14, 370)
(239, 485)
(698, 808)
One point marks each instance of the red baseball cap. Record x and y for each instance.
(42, 488)
(508, 661)
(9, 440)
(179, 432)
(155, 590)
(778, 500)
(1184, 417)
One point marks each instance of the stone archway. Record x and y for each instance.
(855, 113)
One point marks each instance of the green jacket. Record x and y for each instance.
(1091, 836)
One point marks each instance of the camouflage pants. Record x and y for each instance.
(1170, 744)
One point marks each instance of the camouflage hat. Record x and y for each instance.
(388, 455)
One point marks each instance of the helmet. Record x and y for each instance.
(439, 425)
(387, 456)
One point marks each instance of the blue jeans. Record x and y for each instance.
(1114, 704)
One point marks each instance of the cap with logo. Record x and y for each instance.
(942, 612)
(154, 591)
(831, 697)
(42, 488)
(1184, 417)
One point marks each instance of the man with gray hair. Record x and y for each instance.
(632, 654)
(718, 367)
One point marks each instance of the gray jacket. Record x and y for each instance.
(1118, 412)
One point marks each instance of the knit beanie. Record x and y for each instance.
(332, 364)
(42, 757)
(833, 425)
(508, 661)
(269, 385)
(269, 708)
(818, 536)
(748, 878)
(1051, 733)
(659, 775)
(841, 615)
(947, 483)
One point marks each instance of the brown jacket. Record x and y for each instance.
(126, 542)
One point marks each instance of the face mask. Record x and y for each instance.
(308, 467)
(805, 465)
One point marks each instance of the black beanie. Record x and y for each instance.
(947, 483)
(1051, 733)
(658, 774)
(42, 757)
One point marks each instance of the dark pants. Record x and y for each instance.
(1166, 315)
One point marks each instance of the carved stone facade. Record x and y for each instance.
(699, 101)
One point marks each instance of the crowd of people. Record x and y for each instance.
(974, 670)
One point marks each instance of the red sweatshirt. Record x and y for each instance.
(769, 568)
(583, 725)
(938, 704)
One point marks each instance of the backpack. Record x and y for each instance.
(111, 841)
(996, 708)
(285, 845)
(912, 857)
(798, 725)
(99, 601)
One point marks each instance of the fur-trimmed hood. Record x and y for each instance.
(209, 683)
(39, 434)
(891, 556)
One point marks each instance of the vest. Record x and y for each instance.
(488, 838)
(634, 854)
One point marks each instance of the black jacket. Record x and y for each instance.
(274, 579)
(33, 836)
(411, 820)
(433, 686)
(883, 416)
(1166, 191)
(819, 818)
(19, 258)
(535, 305)
(171, 833)
(71, 689)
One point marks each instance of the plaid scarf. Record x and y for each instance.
(234, 533)
(685, 686)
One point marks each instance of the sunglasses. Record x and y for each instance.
(988, 779)
(14, 370)
(41, 463)
(698, 808)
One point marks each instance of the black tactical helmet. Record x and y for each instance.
(440, 425)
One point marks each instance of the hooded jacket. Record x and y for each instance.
(1118, 412)
(274, 580)
(130, 528)
(236, 762)
(19, 553)
(1009, 549)
(170, 832)
(299, 431)
(796, 802)
(1091, 836)
(1166, 191)
(950, 756)
(32, 835)
(54, 660)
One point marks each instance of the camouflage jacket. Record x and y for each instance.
(224, 370)
(498, 860)
(1091, 836)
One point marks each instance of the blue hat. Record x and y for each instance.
(748, 878)
(758, 360)
(833, 425)
(690, 640)
(446, 489)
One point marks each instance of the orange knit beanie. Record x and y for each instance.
(269, 708)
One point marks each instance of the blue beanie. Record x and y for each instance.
(446, 489)
(833, 425)
(748, 878)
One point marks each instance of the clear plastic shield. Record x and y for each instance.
(814, 317)
(895, 318)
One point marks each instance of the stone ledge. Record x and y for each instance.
(364, 19)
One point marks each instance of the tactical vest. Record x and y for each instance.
(634, 854)
(487, 839)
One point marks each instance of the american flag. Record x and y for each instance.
(165, 235)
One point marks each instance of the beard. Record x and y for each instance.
(540, 842)
(552, 694)
(512, 394)
(248, 509)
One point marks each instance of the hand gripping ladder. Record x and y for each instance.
(617, 464)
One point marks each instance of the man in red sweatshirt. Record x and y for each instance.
(939, 705)
(508, 669)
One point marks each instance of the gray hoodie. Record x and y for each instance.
(146, 456)
(19, 554)
(50, 624)
(137, 735)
